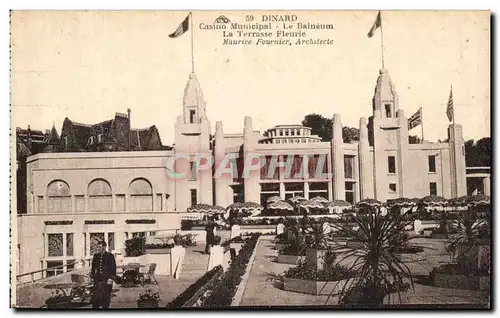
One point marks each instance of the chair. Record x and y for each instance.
(82, 289)
(149, 276)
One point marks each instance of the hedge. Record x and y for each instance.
(187, 294)
(225, 289)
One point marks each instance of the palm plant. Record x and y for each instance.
(471, 233)
(377, 271)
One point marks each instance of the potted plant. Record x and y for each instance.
(57, 300)
(178, 240)
(376, 272)
(148, 299)
(317, 244)
(217, 240)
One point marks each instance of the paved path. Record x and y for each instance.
(261, 290)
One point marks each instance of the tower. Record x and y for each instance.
(389, 131)
(192, 149)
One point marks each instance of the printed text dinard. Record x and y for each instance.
(182, 166)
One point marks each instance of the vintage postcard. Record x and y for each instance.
(174, 159)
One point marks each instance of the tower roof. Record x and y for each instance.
(385, 90)
(193, 96)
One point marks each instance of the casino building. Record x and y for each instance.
(76, 199)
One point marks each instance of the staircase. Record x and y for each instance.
(195, 263)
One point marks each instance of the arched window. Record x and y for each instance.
(141, 195)
(100, 199)
(59, 197)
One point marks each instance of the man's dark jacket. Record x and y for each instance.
(103, 267)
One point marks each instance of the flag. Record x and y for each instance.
(183, 27)
(415, 119)
(377, 24)
(449, 109)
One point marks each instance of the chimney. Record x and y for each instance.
(129, 127)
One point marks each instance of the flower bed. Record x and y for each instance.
(221, 295)
(306, 279)
(189, 296)
(457, 277)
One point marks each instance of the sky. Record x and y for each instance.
(89, 65)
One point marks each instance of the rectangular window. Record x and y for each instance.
(191, 116)
(111, 241)
(292, 133)
(392, 187)
(391, 161)
(281, 132)
(432, 163)
(388, 112)
(54, 271)
(298, 132)
(266, 172)
(192, 171)
(69, 244)
(433, 188)
(349, 192)
(194, 197)
(55, 244)
(349, 167)
(286, 132)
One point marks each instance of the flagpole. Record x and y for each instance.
(382, 39)
(192, 42)
(422, 123)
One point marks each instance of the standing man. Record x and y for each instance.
(210, 235)
(103, 271)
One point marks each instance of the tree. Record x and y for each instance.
(350, 134)
(478, 154)
(322, 127)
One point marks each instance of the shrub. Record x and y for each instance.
(135, 246)
(158, 246)
(187, 294)
(187, 225)
(225, 289)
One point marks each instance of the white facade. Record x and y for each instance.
(119, 188)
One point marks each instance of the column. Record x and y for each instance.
(306, 190)
(402, 158)
(221, 182)
(282, 190)
(251, 182)
(46, 245)
(35, 206)
(206, 188)
(337, 160)
(65, 262)
(457, 151)
(365, 168)
(487, 185)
